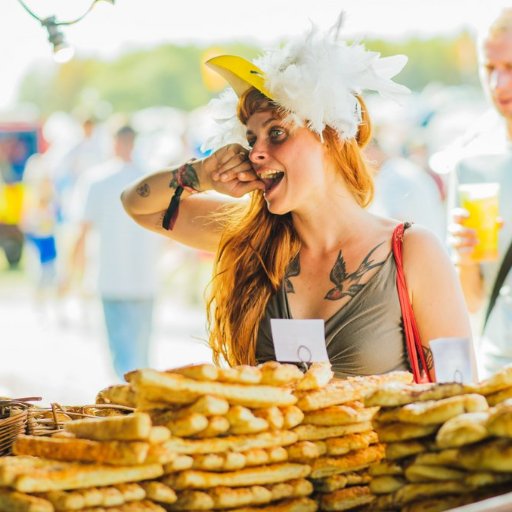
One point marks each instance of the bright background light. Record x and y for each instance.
(109, 30)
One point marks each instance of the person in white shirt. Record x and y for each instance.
(127, 256)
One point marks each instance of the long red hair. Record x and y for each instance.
(257, 246)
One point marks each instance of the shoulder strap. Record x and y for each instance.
(498, 283)
(412, 335)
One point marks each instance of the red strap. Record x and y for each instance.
(412, 335)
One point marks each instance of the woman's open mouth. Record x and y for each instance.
(270, 178)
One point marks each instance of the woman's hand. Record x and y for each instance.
(229, 171)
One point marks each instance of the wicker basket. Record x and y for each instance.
(13, 422)
(20, 417)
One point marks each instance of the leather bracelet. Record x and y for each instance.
(171, 213)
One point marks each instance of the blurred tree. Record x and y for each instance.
(449, 61)
(171, 75)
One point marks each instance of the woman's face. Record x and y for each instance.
(288, 159)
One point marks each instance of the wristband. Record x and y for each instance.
(171, 213)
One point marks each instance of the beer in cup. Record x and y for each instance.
(481, 202)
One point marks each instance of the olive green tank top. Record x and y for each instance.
(365, 337)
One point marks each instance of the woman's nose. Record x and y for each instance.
(258, 153)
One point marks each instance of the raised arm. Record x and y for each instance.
(227, 171)
(434, 288)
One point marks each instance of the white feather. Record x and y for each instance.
(317, 77)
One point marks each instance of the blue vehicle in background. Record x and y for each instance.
(18, 141)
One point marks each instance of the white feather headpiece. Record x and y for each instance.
(315, 78)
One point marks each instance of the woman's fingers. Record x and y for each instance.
(227, 153)
(243, 188)
(231, 169)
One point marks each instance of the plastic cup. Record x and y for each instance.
(481, 200)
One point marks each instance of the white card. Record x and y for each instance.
(299, 340)
(454, 360)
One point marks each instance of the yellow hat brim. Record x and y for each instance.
(240, 73)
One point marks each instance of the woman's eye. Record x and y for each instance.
(276, 133)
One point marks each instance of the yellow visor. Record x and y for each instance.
(240, 73)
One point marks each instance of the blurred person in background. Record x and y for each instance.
(40, 217)
(485, 156)
(303, 245)
(404, 190)
(127, 255)
(89, 151)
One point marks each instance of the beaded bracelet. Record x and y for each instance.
(171, 213)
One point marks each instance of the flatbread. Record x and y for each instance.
(226, 497)
(499, 423)
(464, 429)
(159, 492)
(402, 449)
(386, 467)
(233, 443)
(132, 427)
(500, 380)
(350, 442)
(273, 473)
(243, 374)
(339, 415)
(499, 396)
(420, 473)
(279, 374)
(14, 501)
(174, 388)
(353, 461)
(393, 432)
(315, 433)
(292, 505)
(385, 484)
(60, 448)
(346, 499)
(79, 476)
(434, 412)
(305, 451)
(119, 394)
(336, 482)
(317, 377)
(398, 394)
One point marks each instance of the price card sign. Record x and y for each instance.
(454, 360)
(297, 341)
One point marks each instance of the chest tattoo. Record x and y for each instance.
(348, 285)
(293, 270)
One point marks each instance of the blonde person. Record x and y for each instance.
(487, 158)
(303, 245)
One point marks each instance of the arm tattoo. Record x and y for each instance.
(293, 270)
(143, 190)
(184, 176)
(429, 358)
(348, 285)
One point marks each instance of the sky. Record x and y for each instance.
(109, 30)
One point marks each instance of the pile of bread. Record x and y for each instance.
(271, 438)
(204, 438)
(337, 440)
(445, 444)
